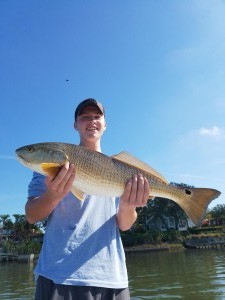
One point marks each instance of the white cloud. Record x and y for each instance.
(203, 137)
(213, 132)
(202, 148)
(7, 156)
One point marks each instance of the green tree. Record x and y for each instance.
(217, 214)
(4, 219)
(159, 209)
(22, 229)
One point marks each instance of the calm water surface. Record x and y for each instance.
(189, 274)
(192, 274)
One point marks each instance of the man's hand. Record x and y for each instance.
(39, 208)
(60, 185)
(136, 194)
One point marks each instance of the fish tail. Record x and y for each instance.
(197, 201)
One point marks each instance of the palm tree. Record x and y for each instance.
(23, 229)
(4, 219)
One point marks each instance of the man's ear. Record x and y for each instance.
(75, 125)
(105, 126)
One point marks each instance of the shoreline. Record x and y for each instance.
(151, 247)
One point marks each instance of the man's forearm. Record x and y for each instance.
(135, 195)
(126, 216)
(39, 208)
(58, 187)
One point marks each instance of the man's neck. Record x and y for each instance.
(93, 146)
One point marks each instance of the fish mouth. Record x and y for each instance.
(19, 154)
(22, 160)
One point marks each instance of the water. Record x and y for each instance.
(177, 275)
(16, 281)
(193, 274)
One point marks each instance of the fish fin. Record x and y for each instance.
(133, 161)
(77, 193)
(51, 169)
(196, 201)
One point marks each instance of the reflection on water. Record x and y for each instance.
(177, 275)
(16, 281)
(192, 274)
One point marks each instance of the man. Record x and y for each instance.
(82, 257)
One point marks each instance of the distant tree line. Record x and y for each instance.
(216, 215)
(20, 229)
(19, 236)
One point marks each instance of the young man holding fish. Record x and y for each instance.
(82, 256)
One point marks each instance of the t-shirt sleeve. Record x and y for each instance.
(37, 185)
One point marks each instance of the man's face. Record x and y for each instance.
(90, 123)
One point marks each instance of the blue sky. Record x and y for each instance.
(157, 66)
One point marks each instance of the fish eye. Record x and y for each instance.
(30, 149)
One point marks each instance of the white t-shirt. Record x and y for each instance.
(82, 244)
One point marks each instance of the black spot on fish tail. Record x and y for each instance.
(188, 192)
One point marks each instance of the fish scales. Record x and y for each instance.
(101, 175)
(96, 173)
(107, 173)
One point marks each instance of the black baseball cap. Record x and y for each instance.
(88, 102)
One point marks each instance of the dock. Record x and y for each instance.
(10, 257)
(205, 243)
(5, 257)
